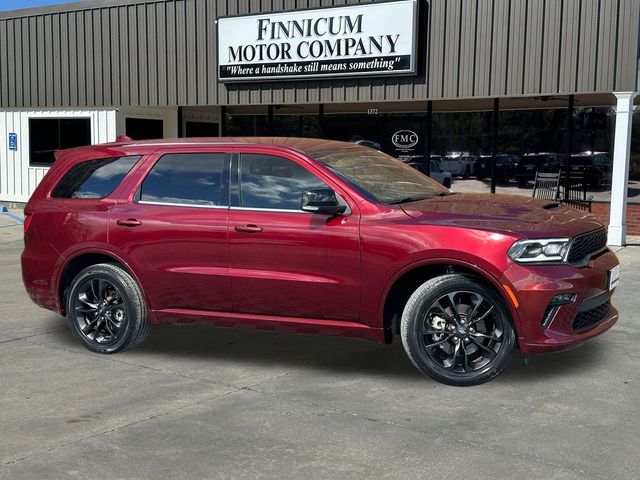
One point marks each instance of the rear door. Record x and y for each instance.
(286, 262)
(173, 229)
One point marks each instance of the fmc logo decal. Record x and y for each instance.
(405, 139)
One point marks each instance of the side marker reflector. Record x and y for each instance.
(512, 295)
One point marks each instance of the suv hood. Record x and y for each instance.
(526, 216)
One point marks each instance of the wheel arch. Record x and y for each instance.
(81, 260)
(411, 277)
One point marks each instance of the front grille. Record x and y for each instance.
(590, 318)
(587, 244)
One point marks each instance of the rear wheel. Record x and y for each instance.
(457, 331)
(467, 173)
(106, 310)
(446, 183)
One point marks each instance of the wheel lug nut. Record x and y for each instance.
(462, 321)
(455, 339)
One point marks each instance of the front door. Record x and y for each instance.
(284, 261)
(174, 231)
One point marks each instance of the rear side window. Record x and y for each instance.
(94, 178)
(186, 179)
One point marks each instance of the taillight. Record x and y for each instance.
(28, 217)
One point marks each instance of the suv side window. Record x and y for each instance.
(94, 178)
(271, 182)
(186, 179)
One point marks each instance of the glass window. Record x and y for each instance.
(186, 179)
(377, 175)
(144, 128)
(201, 129)
(268, 181)
(95, 178)
(46, 135)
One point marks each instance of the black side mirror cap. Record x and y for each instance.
(323, 201)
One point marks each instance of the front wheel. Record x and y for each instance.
(457, 331)
(106, 310)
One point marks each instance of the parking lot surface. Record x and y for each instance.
(201, 402)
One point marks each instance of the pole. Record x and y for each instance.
(427, 153)
(620, 169)
(567, 165)
(270, 120)
(494, 142)
(321, 120)
(223, 121)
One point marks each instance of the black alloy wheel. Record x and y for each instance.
(457, 331)
(99, 310)
(106, 310)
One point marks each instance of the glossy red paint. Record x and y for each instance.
(297, 271)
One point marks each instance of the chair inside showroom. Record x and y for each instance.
(574, 193)
(547, 186)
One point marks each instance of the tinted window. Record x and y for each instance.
(46, 135)
(377, 175)
(186, 179)
(201, 129)
(95, 178)
(267, 181)
(144, 128)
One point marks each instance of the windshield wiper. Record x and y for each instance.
(416, 199)
(407, 200)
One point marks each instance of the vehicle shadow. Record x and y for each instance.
(335, 355)
(557, 364)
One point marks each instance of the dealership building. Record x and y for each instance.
(415, 78)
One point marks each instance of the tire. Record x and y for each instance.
(459, 342)
(597, 181)
(106, 310)
(446, 183)
(467, 173)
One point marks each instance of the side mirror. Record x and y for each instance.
(322, 200)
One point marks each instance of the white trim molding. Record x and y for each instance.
(620, 169)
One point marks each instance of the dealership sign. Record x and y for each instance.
(368, 39)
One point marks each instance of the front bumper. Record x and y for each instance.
(536, 285)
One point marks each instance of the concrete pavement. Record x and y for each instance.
(198, 402)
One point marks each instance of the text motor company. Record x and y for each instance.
(364, 39)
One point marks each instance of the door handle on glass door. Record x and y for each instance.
(248, 228)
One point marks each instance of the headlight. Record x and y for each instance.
(540, 250)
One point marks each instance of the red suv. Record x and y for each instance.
(311, 236)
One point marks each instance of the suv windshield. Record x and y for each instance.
(379, 176)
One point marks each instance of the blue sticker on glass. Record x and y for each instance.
(13, 142)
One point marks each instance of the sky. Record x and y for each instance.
(16, 4)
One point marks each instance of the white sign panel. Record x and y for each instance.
(368, 39)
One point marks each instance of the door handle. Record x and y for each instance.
(248, 228)
(129, 222)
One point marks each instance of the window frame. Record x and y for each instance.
(157, 155)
